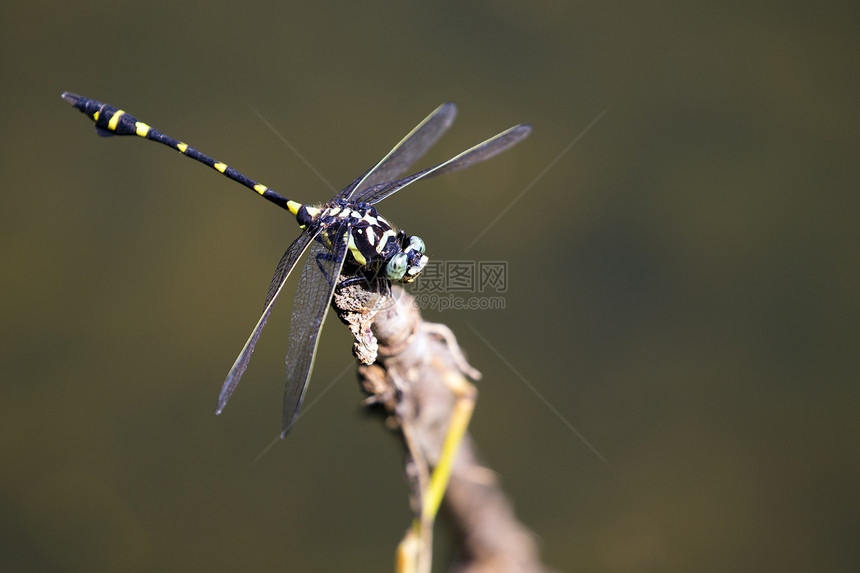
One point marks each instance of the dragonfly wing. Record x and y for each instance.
(476, 154)
(285, 266)
(313, 299)
(406, 152)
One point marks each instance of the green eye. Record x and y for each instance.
(396, 267)
(416, 243)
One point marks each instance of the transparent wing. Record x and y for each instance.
(285, 266)
(287, 262)
(476, 154)
(313, 298)
(406, 152)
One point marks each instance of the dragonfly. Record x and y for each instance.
(345, 232)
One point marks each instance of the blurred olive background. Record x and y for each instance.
(683, 284)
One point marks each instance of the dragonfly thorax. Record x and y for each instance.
(373, 243)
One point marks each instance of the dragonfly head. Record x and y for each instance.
(406, 265)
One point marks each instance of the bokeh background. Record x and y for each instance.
(683, 284)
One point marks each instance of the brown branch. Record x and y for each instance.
(412, 369)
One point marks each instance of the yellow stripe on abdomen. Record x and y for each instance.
(114, 121)
(293, 207)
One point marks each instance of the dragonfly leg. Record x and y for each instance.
(356, 280)
(328, 257)
(369, 283)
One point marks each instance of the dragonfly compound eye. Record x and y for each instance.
(396, 267)
(416, 244)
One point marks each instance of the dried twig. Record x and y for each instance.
(416, 372)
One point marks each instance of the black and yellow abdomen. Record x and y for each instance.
(110, 121)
